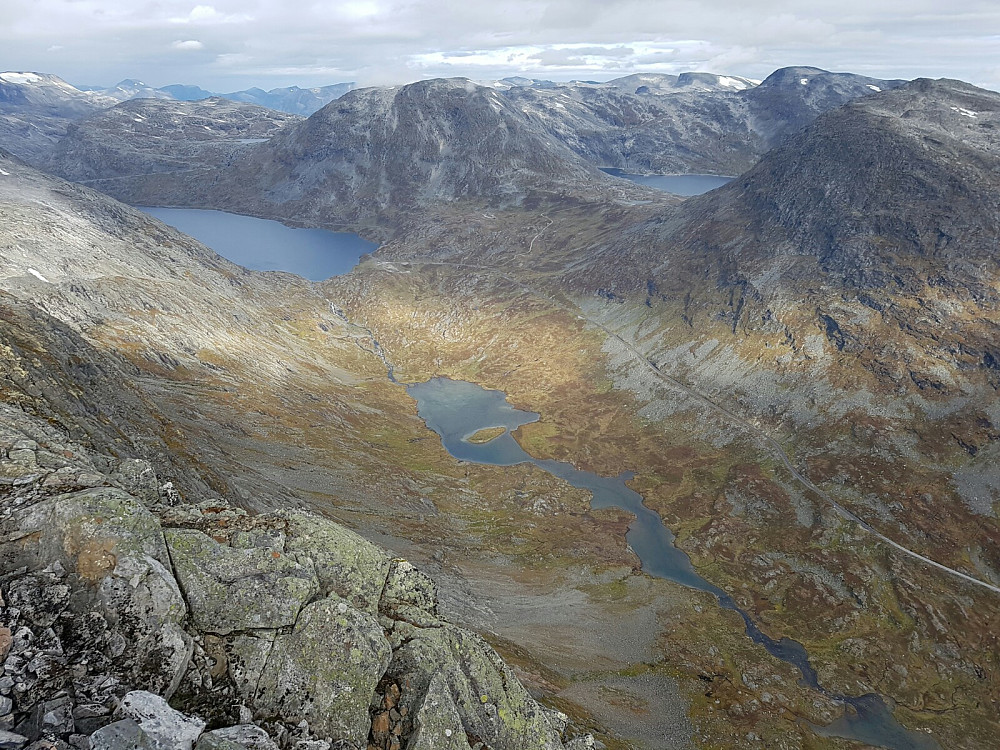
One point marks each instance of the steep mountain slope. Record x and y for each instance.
(790, 98)
(274, 400)
(878, 187)
(377, 156)
(146, 136)
(105, 313)
(696, 122)
(849, 278)
(36, 109)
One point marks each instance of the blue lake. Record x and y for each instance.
(678, 184)
(264, 245)
(456, 410)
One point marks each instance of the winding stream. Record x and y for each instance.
(456, 410)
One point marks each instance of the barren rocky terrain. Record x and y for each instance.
(798, 368)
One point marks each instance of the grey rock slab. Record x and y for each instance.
(346, 563)
(238, 589)
(325, 671)
(57, 716)
(121, 735)
(492, 703)
(166, 727)
(247, 655)
(438, 725)
(23, 457)
(12, 741)
(139, 479)
(239, 737)
(405, 584)
(114, 550)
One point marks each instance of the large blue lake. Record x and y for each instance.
(263, 245)
(456, 410)
(678, 184)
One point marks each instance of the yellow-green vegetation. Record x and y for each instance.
(486, 434)
(310, 417)
(748, 527)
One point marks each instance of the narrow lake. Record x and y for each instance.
(264, 245)
(456, 410)
(678, 184)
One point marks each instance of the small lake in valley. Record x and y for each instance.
(265, 245)
(457, 410)
(678, 184)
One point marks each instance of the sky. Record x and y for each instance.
(226, 45)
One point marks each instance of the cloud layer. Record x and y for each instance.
(229, 44)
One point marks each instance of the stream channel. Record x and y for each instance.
(456, 410)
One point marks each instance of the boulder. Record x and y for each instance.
(246, 659)
(165, 727)
(347, 564)
(138, 478)
(122, 735)
(239, 737)
(437, 725)
(12, 740)
(491, 703)
(325, 671)
(238, 589)
(409, 595)
(112, 553)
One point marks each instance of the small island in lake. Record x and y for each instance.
(486, 434)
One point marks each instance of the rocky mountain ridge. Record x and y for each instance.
(148, 136)
(368, 160)
(37, 109)
(36, 87)
(113, 584)
(281, 629)
(701, 124)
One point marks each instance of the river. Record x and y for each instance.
(456, 410)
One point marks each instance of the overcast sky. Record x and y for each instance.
(226, 45)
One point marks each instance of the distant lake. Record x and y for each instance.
(264, 245)
(678, 184)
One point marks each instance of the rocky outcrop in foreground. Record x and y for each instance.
(132, 619)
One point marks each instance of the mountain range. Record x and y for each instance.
(797, 372)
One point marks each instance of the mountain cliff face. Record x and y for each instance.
(36, 109)
(394, 150)
(378, 155)
(147, 136)
(693, 123)
(857, 266)
(878, 188)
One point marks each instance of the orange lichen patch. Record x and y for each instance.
(96, 559)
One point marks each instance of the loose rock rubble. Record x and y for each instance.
(130, 618)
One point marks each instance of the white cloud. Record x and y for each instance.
(207, 14)
(188, 44)
(269, 43)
